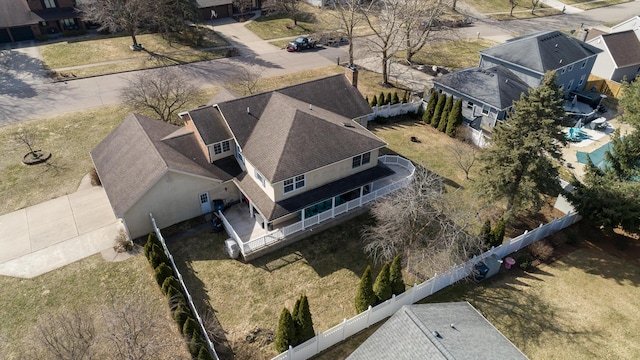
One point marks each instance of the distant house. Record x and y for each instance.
(214, 9)
(22, 20)
(488, 94)
(530, 56)
(291, 158)
(437, 331)
(620, 57)
(629, 24)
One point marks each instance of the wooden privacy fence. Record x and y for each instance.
(604, 86)
(352, 326)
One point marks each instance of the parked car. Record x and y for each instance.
(301, 43)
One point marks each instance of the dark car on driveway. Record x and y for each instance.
(301, 43)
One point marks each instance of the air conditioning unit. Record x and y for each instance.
(231, 248)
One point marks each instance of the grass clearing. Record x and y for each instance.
(69, 137)
(491, 7)
(275, 82)
(455, 55)
(247, 296)
(590, 4)
(87, 284)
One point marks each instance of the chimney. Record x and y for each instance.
(351, 72)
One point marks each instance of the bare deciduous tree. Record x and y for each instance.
(419, 19)
(163, 91)
(349, 12)
(248, 78)
(384, 42)
(119, 15)
(67, 335)
(534, 4)
(289, 7)
(422, 223)
(26, 136)
(512, 4)
(465, 156)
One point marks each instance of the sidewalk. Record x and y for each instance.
(56, 233)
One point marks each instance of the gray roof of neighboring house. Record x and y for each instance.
(495, 86)
(211, 3)
(140, 150)
(542, 51)
(16, 13)
(300, 128)
(437, 331)
(624, 47)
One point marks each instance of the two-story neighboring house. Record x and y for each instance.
(620, 57)
(530, 56)
(507, 70)
(290, 159)
(22, 20)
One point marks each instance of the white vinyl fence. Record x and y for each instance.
(389, 110)
(418, 292)
(203, 330)
(278, 235)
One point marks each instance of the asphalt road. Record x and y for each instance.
(21, 99)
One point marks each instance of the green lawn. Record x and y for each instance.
(86, 285)
(69, 138)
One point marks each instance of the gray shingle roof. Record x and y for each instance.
(211, 3)
(496, 86)
(16, 13)
(624, 47)
(542, 51)
(210, 124)
(426, 332)
(289, 132)
(140, 150)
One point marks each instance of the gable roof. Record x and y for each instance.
(16, 13)
(437, 331)
(629, 24)
(624, 47)
(300, 128)
(542, 51)
(210, 124)
(496, 86)
(136, 154)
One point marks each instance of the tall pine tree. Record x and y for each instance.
(431, 107)
(305, 321)
(455, 118)
(297, 326)
(395, 276)
(285, 332)
(365, 296)
(519, 165)
(444, 117)
(437, 112)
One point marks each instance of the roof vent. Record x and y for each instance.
(556, 45)
(248, 111)
(560, 61)
(349, 125)
(310, 107)
(436, 334)
(506, 81)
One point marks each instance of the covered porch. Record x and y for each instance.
(254, 230)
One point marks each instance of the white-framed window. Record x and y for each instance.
(469, 105)
(584, 64)
(360, 160)
(259, 177)
(564, 70)
(485, 110)
(68, 22)
(582, 79)
(570, 67)
(570, 86)
(561, 87)
(221, 147)
(48, 4)
(294, 183)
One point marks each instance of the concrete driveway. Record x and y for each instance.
(55, 233)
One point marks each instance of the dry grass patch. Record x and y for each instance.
(326, 267)
(500, 9)
(453, 55)
(69, 137)
(276, 82)
(85, 285)
(583, 306)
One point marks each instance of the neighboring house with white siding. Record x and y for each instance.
(620, 57)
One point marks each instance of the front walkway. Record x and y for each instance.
(56, 233)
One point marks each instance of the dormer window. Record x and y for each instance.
(294, 183)
(221, 147)
(49, 4)
(361, 160)
(570, 67)
(584, 64)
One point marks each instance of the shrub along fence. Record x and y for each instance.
(185, 291)
(352, 326)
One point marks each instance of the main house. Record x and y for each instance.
(290, 159)
(22, 20)
(505, 71)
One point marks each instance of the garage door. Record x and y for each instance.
(22, 33)
(4, 36)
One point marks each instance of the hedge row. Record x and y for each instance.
(442, 113)
(171, 288)
(388, 282)
(389, 98)
(295, 327)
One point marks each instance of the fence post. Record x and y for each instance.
(413, 292)
(290, 353)
(344, 325)
(368, 315)
(318, 342)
